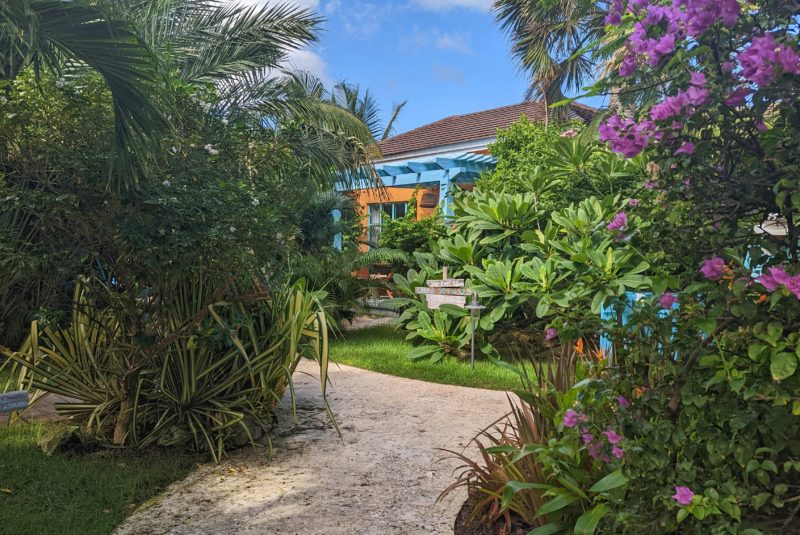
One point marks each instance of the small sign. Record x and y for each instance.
(434, 301)
(441, 291)
(13, 401)
(446, 283)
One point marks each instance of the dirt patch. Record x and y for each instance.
(381, 478)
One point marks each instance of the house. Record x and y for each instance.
(449, 153)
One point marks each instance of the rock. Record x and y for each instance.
(59, 438)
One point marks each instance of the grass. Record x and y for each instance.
(83, 494)
(384, 350)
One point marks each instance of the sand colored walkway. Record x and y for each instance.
(382, 478)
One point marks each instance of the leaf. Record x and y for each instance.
(706, 325)
(556, 504)
(612, 481)
(421, 351)
(587, 522)
(783, 365)
(547, 529)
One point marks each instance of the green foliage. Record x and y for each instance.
(409, 234)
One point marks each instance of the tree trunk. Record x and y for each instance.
(125, 417)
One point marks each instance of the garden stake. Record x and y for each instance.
(474, 310)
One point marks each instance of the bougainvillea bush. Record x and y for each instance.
(695, 397)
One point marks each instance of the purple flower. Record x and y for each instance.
(612, 436)
(649, 185)
(667, 300)
(618, 452)
(619, 222)
(687, 148)
(698, 79)
(624, 403)
(683, 495)
(628, 65)
(625, 136)
(633, 202)
(738, 97)
(761, 126)
(777, 276)
(550, 334)
(764, 56)
(587, 438)
(594, 449)
(713, 268)
(570, 418)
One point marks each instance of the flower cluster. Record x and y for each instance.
(672, 23)
(620, 222)
(764, 56)
(776, 277)
(607, 443)
(713, 268)
(626, 136)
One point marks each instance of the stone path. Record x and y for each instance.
(381, 478)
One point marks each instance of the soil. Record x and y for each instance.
(381, 478)
(465, 525)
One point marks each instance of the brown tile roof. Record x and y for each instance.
(472, 127)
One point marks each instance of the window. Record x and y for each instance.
(378, 213)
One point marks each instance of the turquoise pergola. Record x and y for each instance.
(439, 171)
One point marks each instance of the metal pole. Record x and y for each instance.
(472, 349)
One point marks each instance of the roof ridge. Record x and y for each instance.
(472, 126)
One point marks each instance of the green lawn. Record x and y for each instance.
(76, 494)
(382, 349)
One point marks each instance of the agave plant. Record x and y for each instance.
(196, 368)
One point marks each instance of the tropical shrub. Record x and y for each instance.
(411, 233)
(698, 390)
(201, 365)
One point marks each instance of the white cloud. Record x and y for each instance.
(419, 38)
(448, 41)
(310, 61)
(445, 5)
(365, 19)
(444, 73)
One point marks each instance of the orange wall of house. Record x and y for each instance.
(365, 197)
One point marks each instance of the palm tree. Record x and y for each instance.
(365, 107)
(64, 36)
(550, 40)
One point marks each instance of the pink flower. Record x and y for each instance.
(777, 276)
(667, 300)
(587, 438)
(612, 436)
(594, 449)
(683, 495)
(713, 268)
(633, 202)
(619, 222)
(649, 185)
(570, 418)
(550, 334)
(618, 452)
(687, 148)
(761, 126)
(764, 56)
(623, 402)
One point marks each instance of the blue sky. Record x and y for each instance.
(445, 57)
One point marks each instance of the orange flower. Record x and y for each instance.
(639, 391)
(579, 346)
(599, 354)
(761, 299)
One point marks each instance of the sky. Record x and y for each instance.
(445, 57)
